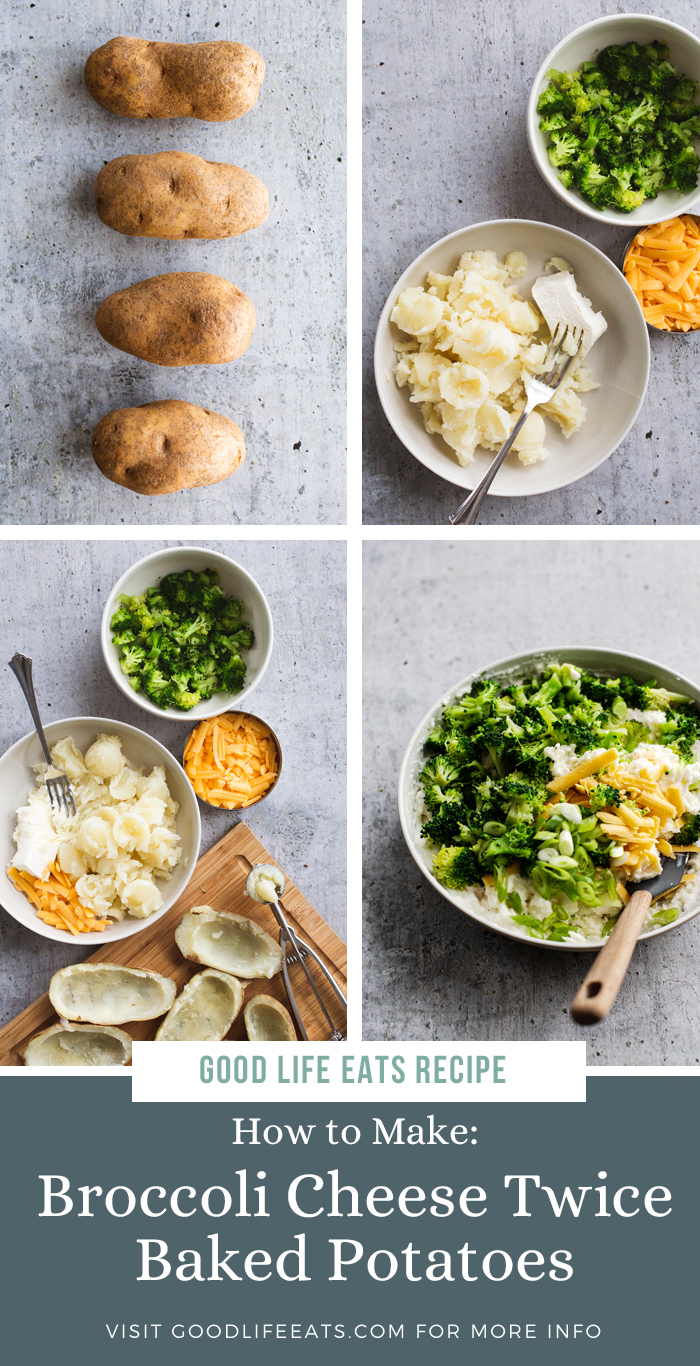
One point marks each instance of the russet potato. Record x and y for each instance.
(185, 318)
(166, 446)
(141, 79)
(176, 195)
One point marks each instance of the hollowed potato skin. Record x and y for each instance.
(144, 80)
(166, 446)
(175, 195)
(185, 318)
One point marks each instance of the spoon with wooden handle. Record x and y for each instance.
(597, 994)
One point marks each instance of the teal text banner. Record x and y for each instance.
(289, 1233)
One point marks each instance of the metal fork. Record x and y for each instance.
(57, 784)
(537, 392)
(296, 950)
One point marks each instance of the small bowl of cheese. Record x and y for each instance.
(662, 265)
(233, 760)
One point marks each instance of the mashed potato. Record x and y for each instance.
(121, 838)
(474, 341)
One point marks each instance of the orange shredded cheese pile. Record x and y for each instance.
(231, 760)
(56, 900)
(635, 824)
(663, 268)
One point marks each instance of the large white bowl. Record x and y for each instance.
(609, 662)
(17, 781)
(619, 360)
(582, 46)
(235, 581)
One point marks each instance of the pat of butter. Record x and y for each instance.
(559, 301)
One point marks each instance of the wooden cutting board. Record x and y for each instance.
(218, 881)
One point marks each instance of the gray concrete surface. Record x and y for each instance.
(302, 695)
(446, 89)
(59, 261)
(434, 611)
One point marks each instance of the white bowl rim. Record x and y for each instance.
(96, 937)
(418, 737)
(549, 176)
(384, 319)
(140, 698)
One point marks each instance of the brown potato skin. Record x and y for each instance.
(185, 318)
(144, 80)
(175, 195)
(166, 446)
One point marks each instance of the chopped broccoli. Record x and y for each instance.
(648, 697)
(456, 867)
(181, 641)
(631, 112)
(689, 832)
(602, 795)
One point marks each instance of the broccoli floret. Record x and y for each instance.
(683, 171)
(691, 126)
(516, 843)
(563, 148)
(593, 181)
(583, 737)
(445, 825)
(680, 731)
(439, 772)
(132, 659)
(689, 832)
(551, 122)
(648, 697)
(437, 739)
(685, 91)
(456, 867)
(474, 706)
(650, 178)
(602, 795)
(553, 100)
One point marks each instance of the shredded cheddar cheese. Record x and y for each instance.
(231, 760)
(636, 823)
(56, 901)
(663, 268)
(582, 770)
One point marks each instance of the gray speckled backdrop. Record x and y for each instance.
(434, 611)
(446, 88)
(302, 695)
(59, 261)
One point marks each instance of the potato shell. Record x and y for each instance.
(185, 318)
(74, 1045)
(205, 1009)
(232, 943)
(165, 446)
(140, 79)
(175, 195)
(267, 1019)
(105, 993)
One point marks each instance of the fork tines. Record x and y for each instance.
(61, 793)
(557, 359)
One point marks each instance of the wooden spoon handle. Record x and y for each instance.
(594, 999)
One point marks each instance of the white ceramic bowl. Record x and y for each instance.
(609, 662)
(17, 781)
(620, 360)
(582, 46)
(236, 583)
